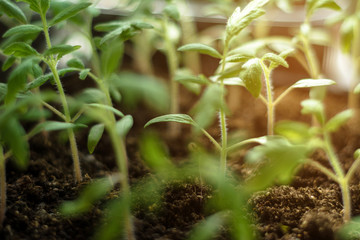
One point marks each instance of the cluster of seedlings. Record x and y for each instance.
(24, 99)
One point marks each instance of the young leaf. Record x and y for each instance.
(12, 10)
(91, 193)
(251, 76)
(20, 49)
(201, 48)
(69, 12)
(111, 56)
(314, 107)
(338, 120)
(313, 5)
(241, 19)
(172, 11)
(106, 107)
(75, 63)
(13, 134)
(347, 29)
(61, 50)
(39, 81)
(208, 228)
(295, 132)
(17, 80)
(94, 137)
(180, 118)
(54, 126)
(8, 63)
(357, 89)
(275, 60)
(39, 6)
(124, 125)
(22, 29)
(308, 83)
(83, 73)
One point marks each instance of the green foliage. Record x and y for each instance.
(92, 193)
(313, 107)
(61, 50)
(39, 6)
(20, 49)
(22, 29)
(72, 10)
(95, 135)
(111, 56)
(208, 228)
(54, 126)
(201, 48)
(124, 125)
(308, 83)
(12, 10)
(251, 76)
(313, 5)
(339, 120)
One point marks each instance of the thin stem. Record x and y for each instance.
(52, 65)
(217, 145)
(282, 95)
(174, 88)
(353, 169)
(270, 104)
(54, 110)
(346, 197)
(222, 115)
(324, 170)
(2, 186)
(263, 99)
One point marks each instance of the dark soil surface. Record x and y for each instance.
(309, 208)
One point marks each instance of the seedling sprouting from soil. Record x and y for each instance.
(318, 137)
(20, 48)
(252, 79)
(236, 23)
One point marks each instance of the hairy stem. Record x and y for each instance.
(52, 65)
(270, 104)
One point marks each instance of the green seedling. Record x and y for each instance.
(21, 49)
(251, 77)
(318, 137)
(304, 42)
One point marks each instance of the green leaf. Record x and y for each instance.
(8, 63)
(338, 120)
(38, 5)
(111, 56)
(106, 107)
(241, 19)
(279, 169)
(357, 89)
(308, 83)
(3, 91)
(61, 50)
(39, 81)
(75, 63)
(20, 49)
(172, 11)
(13, 134)
(275, 60)
(313, 5)
(347, 30)
(93, 192)
(17, 79)
(251, 76)
(83, 73)
(124, 125)
(295, 132)
(69, 12)
(315, 108)
(94, 137)
(201, 48)
(207, 228)
(12, 10)
(180, 118)
(54, 126)
(238, 58)
(350, 230)
(22, 29)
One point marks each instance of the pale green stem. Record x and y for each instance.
(353, 169)
(282, 95)
(52, 65)
(174, 129)
(2, 186)
(222, 115)
(342, 180)
(324, 170)
(218, 147)
(270, 105)
(54, 110)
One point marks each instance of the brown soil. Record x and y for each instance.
(310, 208)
